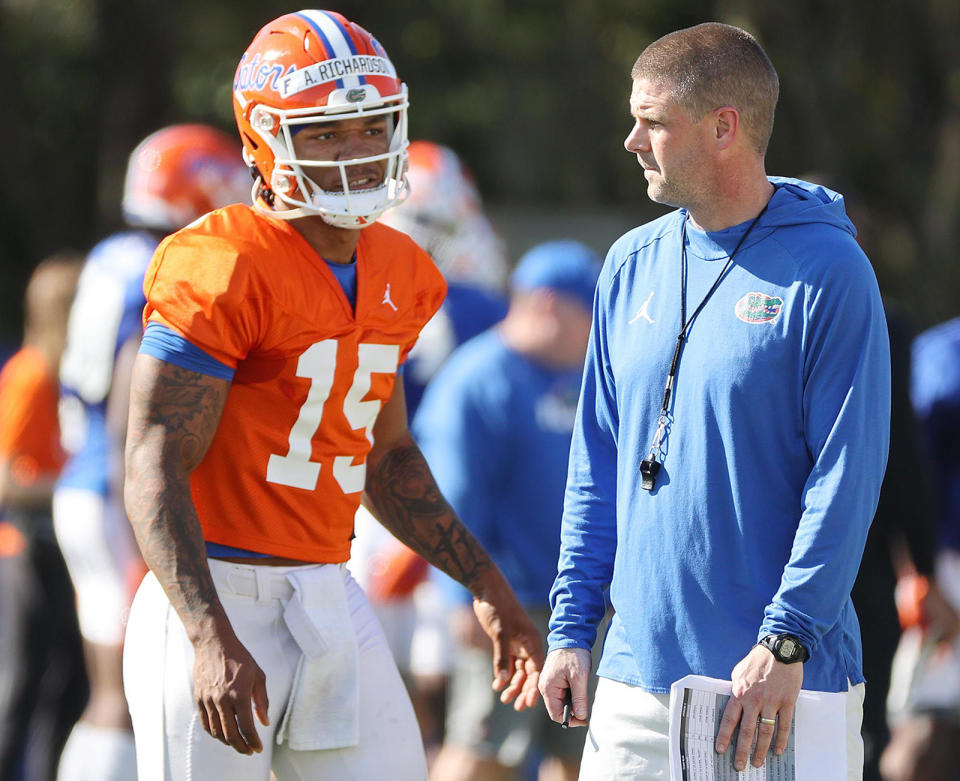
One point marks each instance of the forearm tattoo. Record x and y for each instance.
(409, 504)
(174, 414)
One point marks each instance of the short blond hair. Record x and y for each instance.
(713, 65)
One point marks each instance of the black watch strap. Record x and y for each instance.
(785, 648)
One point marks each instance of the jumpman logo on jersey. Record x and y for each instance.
(643, 312)
(387, 300)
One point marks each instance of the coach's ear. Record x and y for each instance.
(726, 126)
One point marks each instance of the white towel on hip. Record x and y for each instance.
(323, 710)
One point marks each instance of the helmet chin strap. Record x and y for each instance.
(264, 200)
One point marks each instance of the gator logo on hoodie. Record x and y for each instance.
(758, 308)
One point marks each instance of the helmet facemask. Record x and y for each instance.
(299, 194)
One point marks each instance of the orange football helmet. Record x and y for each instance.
(180, 173)
(316, 67)
(445, 216)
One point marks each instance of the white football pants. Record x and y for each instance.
(158, 678)
(98, 546)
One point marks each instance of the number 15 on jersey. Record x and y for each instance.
(318, 363)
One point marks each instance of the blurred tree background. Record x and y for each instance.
(533, 95)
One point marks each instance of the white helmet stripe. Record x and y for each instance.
(335, 39)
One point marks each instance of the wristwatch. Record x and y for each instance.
(785, 648)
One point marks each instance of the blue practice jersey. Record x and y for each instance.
(935, 392)
(773, 457)
(106, 312)
(495, 428)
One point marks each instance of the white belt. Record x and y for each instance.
(259, 582)
(262, 582)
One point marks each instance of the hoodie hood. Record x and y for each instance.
(794, 203)
(797, 202)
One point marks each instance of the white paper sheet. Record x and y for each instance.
(816, 750)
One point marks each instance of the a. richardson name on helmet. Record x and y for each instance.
(256, 75)
(331, 70)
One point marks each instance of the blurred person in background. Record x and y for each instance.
(495, 426)
(43, 686)
(444, 215)
(901, 542)
(925, 692)
(174, 176)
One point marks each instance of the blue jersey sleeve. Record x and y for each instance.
(588, 534)
(167, 345)
(935, 393)
(846, 413)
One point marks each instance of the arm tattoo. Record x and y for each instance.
(409, 504)
(174, 414)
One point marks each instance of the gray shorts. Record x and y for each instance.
(478, 721)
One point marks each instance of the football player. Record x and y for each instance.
(173, 176)
(264, 406)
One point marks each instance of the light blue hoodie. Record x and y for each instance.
(773, 461)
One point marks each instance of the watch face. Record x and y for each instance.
(788, 648)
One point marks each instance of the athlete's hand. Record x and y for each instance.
(517, 650)
(762, 687)
(226, 680)
(566, 669)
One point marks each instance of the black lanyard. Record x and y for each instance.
(650, 467)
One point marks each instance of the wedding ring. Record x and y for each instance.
(768, 722)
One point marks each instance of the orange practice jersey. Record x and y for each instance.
(286, 467)
(29, 431)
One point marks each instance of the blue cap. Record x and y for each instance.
(565, 266)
